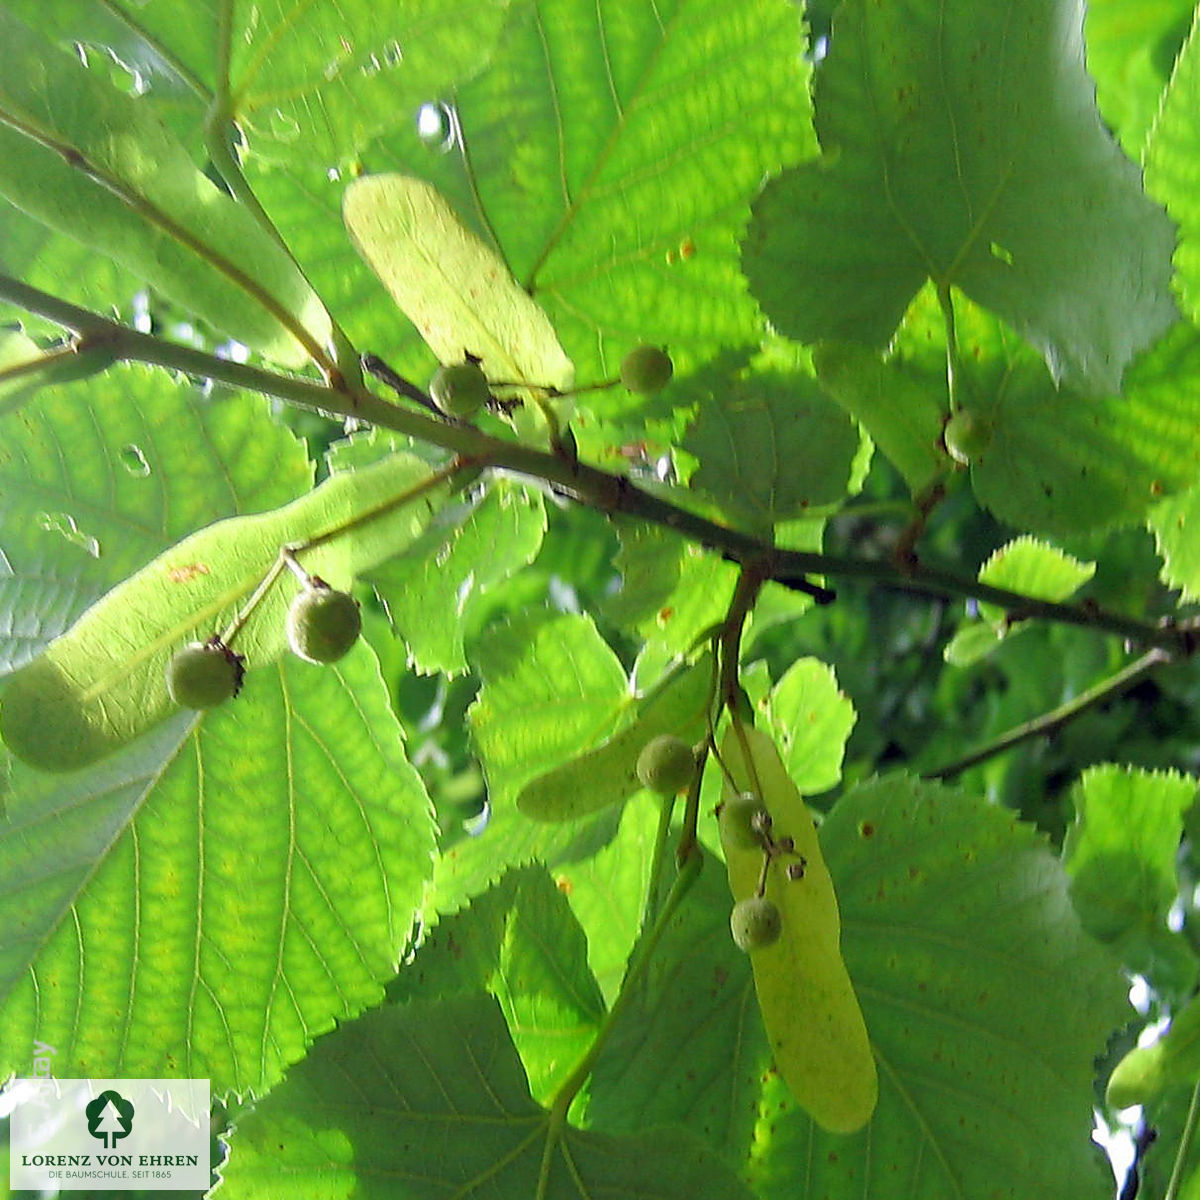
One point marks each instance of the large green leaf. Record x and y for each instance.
(519, 941)
(103, 683)
(1121, 855)
(962, 145)
(206, 902)
(99, 477)
(310, 81)
(984, 1000)
(89, 161)
(584, 151)
(442, 1108)
(1171, 167)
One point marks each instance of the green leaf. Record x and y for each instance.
(1130, 48)
(552, 688)
(209, 900)
(1034, 568)
(1121, 855)
(319, 92)
(649, 563)
(1171, 167)
(1146, 1071)
(771, 446)
(1063, 462)
(963, 145)
(698, 600)
(620, 221)
(608, 890)
(607, 774)
(432, 598)
(1172, 522)
(441, 1107)
(985, 1001)
(519, 941)
(454, 288)
(88, 161)
(25, 368)
(694, 1009)
(102, 683)
(813, 719)
(899, 407)
(98, 478)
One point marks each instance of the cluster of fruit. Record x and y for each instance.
(322, 625)
(667, 764)
(461, 389)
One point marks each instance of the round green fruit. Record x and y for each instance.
(967, 435)
(323, 624)
(755, 922)
(744, 821)
(460, 390)
(646, 369)
(666, 764)
(204, 674)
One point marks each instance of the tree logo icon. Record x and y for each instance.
(109, 1117)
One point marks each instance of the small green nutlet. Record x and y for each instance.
(744, 821)
(646, 369)
(967, 435)
(323, 623)
(666, 764)
(460, 389)
(204, 674)
(755, 922)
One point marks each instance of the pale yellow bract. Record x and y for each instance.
(809, 1008)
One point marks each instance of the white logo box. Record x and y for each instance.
(109, 1134)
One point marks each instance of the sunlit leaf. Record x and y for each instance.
(520, 942)
(1121, 855)
(206, 902)
(1171, 167)
(88, 161)
(607, 774)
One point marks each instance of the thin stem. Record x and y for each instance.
(688, 872)
(611, 494)
(238, 623)
(658, 859)
(1056, 718)
(1185, 1145)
